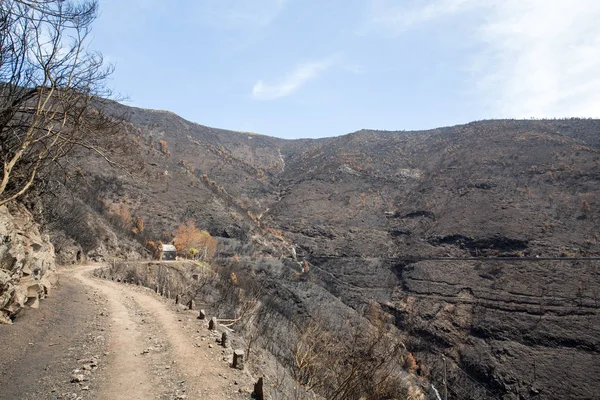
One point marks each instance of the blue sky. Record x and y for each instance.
(309, 68)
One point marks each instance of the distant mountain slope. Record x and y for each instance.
(358, 207)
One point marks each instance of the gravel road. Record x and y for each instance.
(98, 339)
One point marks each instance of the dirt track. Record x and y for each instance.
(143, 345)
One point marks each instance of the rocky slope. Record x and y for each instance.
(26, 262)
(366, 211)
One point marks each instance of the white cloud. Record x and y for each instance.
(543, 58)
(293, 81)
(388, 15)
(540, 58)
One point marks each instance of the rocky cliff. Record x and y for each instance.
(27, 268)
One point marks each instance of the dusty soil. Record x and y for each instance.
(120, 341)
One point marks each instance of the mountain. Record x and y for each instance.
(475, 239)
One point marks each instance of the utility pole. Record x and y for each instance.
(445, 381)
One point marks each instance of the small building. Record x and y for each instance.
(168, 252)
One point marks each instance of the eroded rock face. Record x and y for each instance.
(26, 262)
(514, 325)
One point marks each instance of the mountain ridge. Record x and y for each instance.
(368, 199)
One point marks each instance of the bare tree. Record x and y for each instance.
(50, 85)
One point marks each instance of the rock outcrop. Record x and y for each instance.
(26, 262)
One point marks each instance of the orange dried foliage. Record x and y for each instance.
(306, 268)
(163, 146)
(123, 212)
(153, 247)
(188, 236)
(411, 363)
(585, 206)
(138, 226)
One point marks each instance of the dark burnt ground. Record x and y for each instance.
(42, 348)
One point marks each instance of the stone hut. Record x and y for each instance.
(168, 252)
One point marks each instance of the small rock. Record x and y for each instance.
(76, 378)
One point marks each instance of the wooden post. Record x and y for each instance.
(259, 390)
(212, 324)
(238, 359)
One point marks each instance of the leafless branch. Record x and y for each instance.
(48, 83)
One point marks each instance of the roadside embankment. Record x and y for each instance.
(27, 266)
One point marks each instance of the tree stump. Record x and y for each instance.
(192, 305)
(177, 299)
(201, 314)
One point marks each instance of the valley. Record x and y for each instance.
(358, 208)
(147, 256)
(477, 243)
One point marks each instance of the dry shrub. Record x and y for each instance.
(306, 267)
(138, 225)
(163, 147)
(410, 363)
(123, 212)
(585, 206)
(348, 363)
(188, 236)
(154, 248)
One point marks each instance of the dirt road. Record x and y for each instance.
(100, 339)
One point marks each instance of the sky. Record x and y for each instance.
(317, 68)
